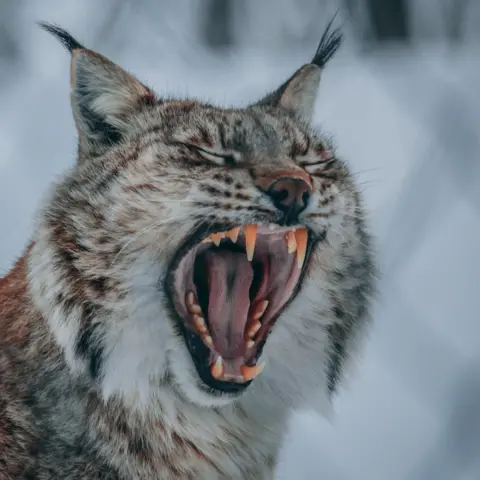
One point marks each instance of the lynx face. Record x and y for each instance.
(193, 247)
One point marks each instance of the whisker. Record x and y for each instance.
(137, 235)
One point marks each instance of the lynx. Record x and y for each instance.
(199, 274)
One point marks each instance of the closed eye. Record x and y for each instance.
(313, 164)
(227, 158)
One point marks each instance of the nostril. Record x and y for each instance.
(305, 198)
(279, 195)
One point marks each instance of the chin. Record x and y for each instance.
(227, 287)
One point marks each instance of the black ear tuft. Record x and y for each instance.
(329, 44)
(63, 36)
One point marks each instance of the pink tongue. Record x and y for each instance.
(229, 278)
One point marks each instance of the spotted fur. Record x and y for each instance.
(95, 379)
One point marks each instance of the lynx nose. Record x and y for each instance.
(290, 194)
(289, 189)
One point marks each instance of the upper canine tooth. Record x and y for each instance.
(259, 309)
(250, 373)
(301, 237)
(217, 368)
(217, 237)
(291, 241)
(233, 234)
(250, 239)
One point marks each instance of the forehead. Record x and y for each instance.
(245, 130)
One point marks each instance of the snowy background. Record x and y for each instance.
(402, 101)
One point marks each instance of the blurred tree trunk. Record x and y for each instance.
(389, 21)
(9, 50)
(218, 24)
(455, 13)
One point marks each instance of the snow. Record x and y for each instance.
(408, 125)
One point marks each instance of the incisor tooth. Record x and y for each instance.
(200, 324)
(259, 309)
(217, 238)
(301, 236)
(254, 328)
(250, 239)
(217, 368)
(291, 241)
(233, 234)
(250, 373)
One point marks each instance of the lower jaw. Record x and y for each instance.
(209, 383)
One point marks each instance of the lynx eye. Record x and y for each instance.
(228, 158)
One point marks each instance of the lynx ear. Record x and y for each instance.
(103, 95)
(298, 93)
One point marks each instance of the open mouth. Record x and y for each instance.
(228, 288)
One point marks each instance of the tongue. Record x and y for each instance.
(229, 278)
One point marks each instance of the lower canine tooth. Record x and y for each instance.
(250, 373)
(217, 368)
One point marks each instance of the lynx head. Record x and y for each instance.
(192, 246)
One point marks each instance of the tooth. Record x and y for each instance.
(250, 373)
(207, 240)
(208, 340)
(231, 377)
(194, 308)
(233, 234)
(250, 239)
(200, 324)
(259, 309)
(191, 302)
(254, 328)
(250, 343)
(217, 238)
(217, 368)
(301, 236)
(190, 298)
(291, 241)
